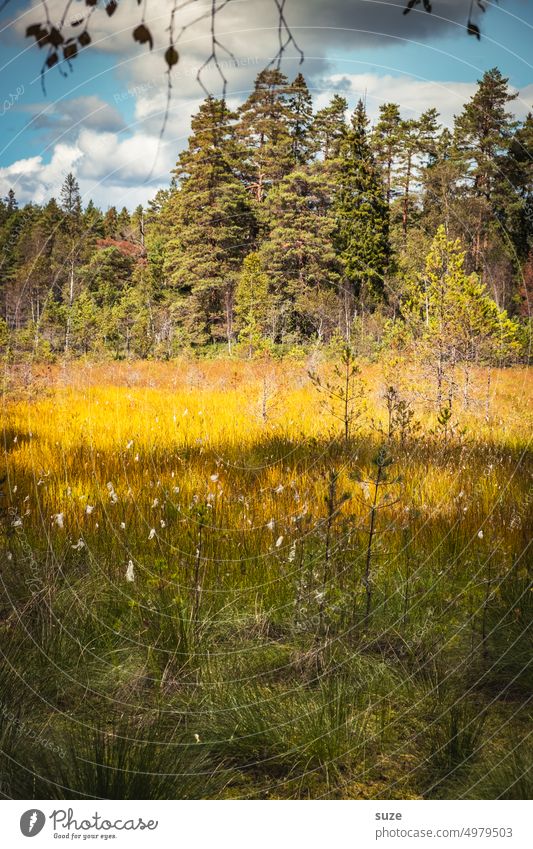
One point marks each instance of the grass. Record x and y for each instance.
(241, 660)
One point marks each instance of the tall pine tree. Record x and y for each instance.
(362, 219)
(210, 226)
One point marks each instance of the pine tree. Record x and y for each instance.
(513, 199)
(111, 223)
(93, 220)
(329, 128)
(210, 225)
(454, 318)
(72, 228)
(70, 198)
(484, 130)
(362, 218)
(11, 202)
(386, 139)
(483, 134)
(265, 133)
(252, 304)
(417, 148)
(300, 121)
(299, 254)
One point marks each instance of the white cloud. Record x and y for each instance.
(36, 181)
(413, 95)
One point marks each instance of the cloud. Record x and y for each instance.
(36, 181)
(61, 121)
(90, 111)
(110, 169)
(128, 162)
(413, 96)
(315, 22)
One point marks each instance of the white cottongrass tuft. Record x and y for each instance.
(270, 525)
(59, 519)
(79, 545)
(130, 574)
(279, 542)
(480, 534)
(89, 509)
(123, 526)
(151, 535)
(214, 478)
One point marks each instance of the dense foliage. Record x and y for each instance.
(334, 220)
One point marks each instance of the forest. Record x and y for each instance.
(285, 228)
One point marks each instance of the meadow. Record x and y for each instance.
(212, 589)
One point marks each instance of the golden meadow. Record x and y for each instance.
(204, 596)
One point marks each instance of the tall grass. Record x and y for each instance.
(186, 581)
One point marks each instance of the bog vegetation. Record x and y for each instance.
(250, 579)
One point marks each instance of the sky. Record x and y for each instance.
(102, 118)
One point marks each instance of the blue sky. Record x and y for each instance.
(102, 120)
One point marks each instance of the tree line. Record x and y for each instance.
(285, 226)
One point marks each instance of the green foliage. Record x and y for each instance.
(361, 212)
(341, 216)
(252, 305)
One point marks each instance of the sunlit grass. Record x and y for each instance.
(164, 539)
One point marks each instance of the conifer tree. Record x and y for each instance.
(417, 147)
(252, 303)
(386, 138)
(514, 190)
(362, 218)
(299, 255)
(210, 225)
(73, 232)
(329, 128)
(455, 319)
(264, 130)
(11, 202)
(484, 131)
(300, 121)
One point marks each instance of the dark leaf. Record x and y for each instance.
(52, 60)
(481, 6)
(39, 33)
(472, 29)
(171, 56)
(427, 5)
(84, 38)
(410, 5)
(55, 38)
(143, 35)
(91, 2)
(77, 23)
(111, 7)
(69, 51)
